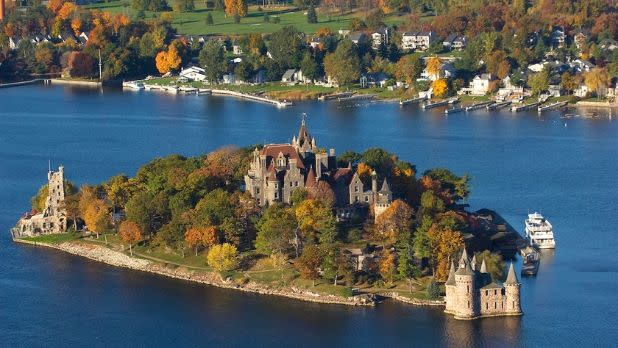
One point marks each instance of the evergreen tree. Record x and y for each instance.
(209, 20)
(312, 16)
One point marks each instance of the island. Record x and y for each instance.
(290, 219)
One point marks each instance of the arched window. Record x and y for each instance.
(468, 304)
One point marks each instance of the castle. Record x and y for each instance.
(278, 169)
(53, 219)
(472, 294)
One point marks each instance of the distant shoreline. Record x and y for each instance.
(114, 258)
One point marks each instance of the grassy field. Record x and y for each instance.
(53, 238)
(193, 23)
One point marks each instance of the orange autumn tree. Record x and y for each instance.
(130, 233)
(76, 26)
(394, 221)
(236, 7)
(434, 64)
(201, 236)
(444, 244)
(96, 216)
(440, 88)
(67, 10)
(387, 265)
(169, 60)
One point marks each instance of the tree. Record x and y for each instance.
(213, 61)
(309, 67)
(312, 16)
(569, 82)
(236, 8)
(343, 65)
(596, 80)
(387, 265)
(395, 221)
(421, 242)
(209, 20)
(286, 47)
(444, 244)
(434, 67)
(276, 228)
(408, 69)
(80, 64)
(96, 216)
(539, 82)
(168, 61)
(493, 263)
(440, 88)
(223, 257)
(433, 290)
(130, 233)
(335, 263)
(243, 71)
(308, 263)
(194, 237)
(183, 5)
(316, 221)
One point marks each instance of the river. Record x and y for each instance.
(566, 168)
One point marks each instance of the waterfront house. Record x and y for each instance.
(316, 43)
(480, 85)
(558, 36)
(358, 37)
(580, 38)
(581, 91)
(289, 76)
(418, 41)
(237, 50)
(378, 79)
(378, 37)
(193, 73)
(554, 90)
(229, 78)
(581, 65)
(454, 42)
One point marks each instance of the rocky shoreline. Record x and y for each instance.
(119, 259)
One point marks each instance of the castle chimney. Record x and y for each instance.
(374, 181)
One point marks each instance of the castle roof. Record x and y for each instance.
(492, 285)
(303, 135)
(511, 278)
(311, 181)
(451, 275)
(473, 262)
(385, 187)
(273, 150)
(483, 267)
(464, 257)
(465, 271)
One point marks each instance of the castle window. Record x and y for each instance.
(276, 194)
(366, 198)
(356, 199)
(486, 292)
(290, 184)
(495, 305)
(513, 304)
(495, 292)
(468, 287)
(296, 183)
(486, 305)
(355, 188)
(468, 304)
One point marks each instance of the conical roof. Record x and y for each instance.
(511, 278)
(311, 181)
(451, 275)
(483, 267)
(464, 258)
(385, 187)
(473, 262)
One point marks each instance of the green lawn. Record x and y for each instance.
(53, 238)
(192, 23)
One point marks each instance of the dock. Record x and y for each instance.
(357, 97)
(524, 107)
(551, 106)
(411, 101)
(334, 96)
(435, 104)
(454, 100)
(23, 83)
(478, 105)
(454, 110)
(277, 103)
(496, 106)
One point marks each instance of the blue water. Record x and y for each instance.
(518, 162)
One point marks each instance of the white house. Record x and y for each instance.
(316, 42)
(229, 78)
(479, 85)
(289, 76)
(378, 37)
(358, 37)
(418, 41)
(447, 70)
(193, 73)
(83, 38)
(558, 36)
(236, 49)
(455, 42)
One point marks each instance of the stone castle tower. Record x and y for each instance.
(472, 294)
(53, 218)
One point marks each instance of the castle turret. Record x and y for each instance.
(466, 306)
(511, 286)
(374, 182)
(450, 290)
(483, 267)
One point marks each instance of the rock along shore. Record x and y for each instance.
(118, 259)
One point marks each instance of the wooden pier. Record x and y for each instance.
(356, 97)
(334, 96)
(435, 104)
(551, 106)
(454, 110)
(496, 106)
(525, 107)
(478, 105)
(411, 101)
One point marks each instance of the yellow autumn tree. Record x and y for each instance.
(169, 60)
(434, 64)
(130, 233)
(236, 7)
(76, 25)
(444, 243)
(440, 88)
(394, 221)
(96, 216)
(364, 171)
(223, 257)
(67, 10)
(596, 79)
(387, 265)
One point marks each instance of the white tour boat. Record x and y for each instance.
(539, 232)
(134, 85)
